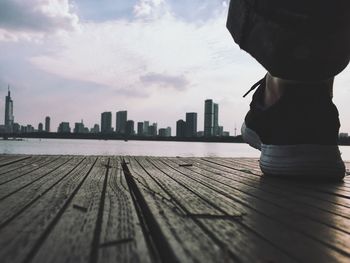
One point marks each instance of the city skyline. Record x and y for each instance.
(123, 126)
(75, 59)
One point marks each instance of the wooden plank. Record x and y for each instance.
(286, 185)
(335, 188)
(19, 183)
(13, 159)
(121, 237)
(16, 166)
(296, 194)
(281, 199)
(261, 216)
(189, 202)
(73, 238)
(235, 236)
(26, 169)
(14, 204)
(21, 238)
(169, 227)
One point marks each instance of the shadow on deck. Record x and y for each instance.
(151, 209)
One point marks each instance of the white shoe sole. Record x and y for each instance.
(305, 161)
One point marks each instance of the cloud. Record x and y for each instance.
(150, 8)
(165, 81)
(26, 19)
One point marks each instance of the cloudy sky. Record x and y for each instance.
(158, 59)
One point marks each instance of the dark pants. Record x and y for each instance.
(294, 39)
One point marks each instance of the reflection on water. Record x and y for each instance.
(102, 147)
(153, 148)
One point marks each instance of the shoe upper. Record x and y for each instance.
(305, 116)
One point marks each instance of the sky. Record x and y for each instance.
(158, 59)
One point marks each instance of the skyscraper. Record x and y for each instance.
(47, 124)
(129, 129)
(191, 124)
(180, 128)
(146, 128)
(208, 118)
(40, 127)
(140, 128)
(106, 122)
(9, 118)
(121, 119)
(216, 119)
(63, 127)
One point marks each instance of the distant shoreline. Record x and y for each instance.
(88, 136)
(116, 137)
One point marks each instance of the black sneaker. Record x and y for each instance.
(297, 136)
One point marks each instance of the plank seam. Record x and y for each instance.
(97, 232)
(154, 235)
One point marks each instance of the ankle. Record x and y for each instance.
(277, 87)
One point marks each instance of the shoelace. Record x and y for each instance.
(255, 86)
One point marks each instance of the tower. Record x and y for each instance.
(106, 122)
(121, 120)
(208, 118)
(47, 124)
(191, 124)
(9, 118)
(216, 119)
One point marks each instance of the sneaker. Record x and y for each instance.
(297, 136)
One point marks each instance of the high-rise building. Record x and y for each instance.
(16, 128)
(153, 129)
(180, 128)
(64, 127)
(129, 129)
(146, 128)
(106, 122)
(191, 124)
(30, 128)
(47, 124)
(208, 118)
(9, 118)
(165, 132)
(140, 128)
(79, 127)
(216, 119)
(95, 129)
(40, 127)
(121, 118)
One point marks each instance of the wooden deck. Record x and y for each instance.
(150, 209)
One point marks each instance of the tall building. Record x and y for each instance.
(63, 127)
(165, 132)
(47, 124)
(9, 118)
(95, 129)
(180, 128)
(120, 124)
(79, 127)
(140, 128)
(153, 129)
(191, 124)
(40, 127)
(129, 129)
(106, 122)
(216, 119)
(146, 128)
(208, 118)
